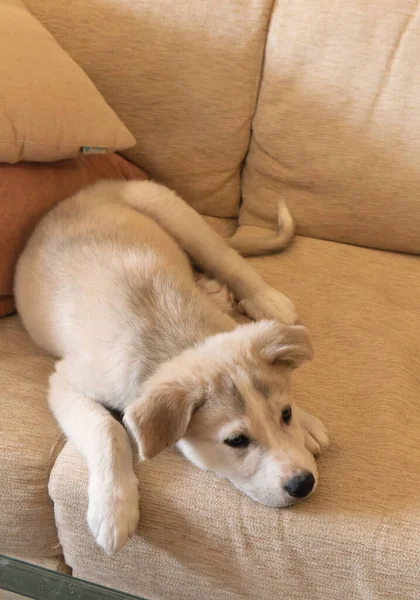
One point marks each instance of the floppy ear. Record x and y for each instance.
(289, 344)
(160, 418)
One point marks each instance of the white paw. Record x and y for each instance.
(113, 511)
(269, 304)
(316, 435)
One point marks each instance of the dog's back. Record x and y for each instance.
(80, 259)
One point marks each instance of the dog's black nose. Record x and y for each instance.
(300, 485)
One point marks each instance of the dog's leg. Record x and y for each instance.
(209, 250)
(113, 494)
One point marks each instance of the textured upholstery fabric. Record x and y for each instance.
(48, 107)
(29, 442)
(357, 538)
(183, 76)
(337, 126)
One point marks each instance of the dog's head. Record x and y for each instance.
(228, 405)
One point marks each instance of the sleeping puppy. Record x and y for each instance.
(105, 284)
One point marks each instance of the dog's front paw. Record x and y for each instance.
(269, 304)
(113, 511)
(316, 435)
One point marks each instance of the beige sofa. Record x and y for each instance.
(318, 102)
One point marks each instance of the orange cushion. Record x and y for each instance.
(29, 190)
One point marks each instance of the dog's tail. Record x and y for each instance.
(257, 243)
(210, 251)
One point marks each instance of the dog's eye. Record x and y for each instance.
(286, 414)
(238, 441)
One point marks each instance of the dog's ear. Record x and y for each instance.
(288, 344)
(161, 417)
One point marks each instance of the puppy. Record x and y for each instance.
(105, 284)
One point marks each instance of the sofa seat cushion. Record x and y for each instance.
(29, 442)
(357, 537)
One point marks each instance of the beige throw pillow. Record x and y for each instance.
(49, 108)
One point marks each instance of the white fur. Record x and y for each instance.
(106, 285)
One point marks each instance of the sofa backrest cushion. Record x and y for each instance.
(337, 127)
(184, 78)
